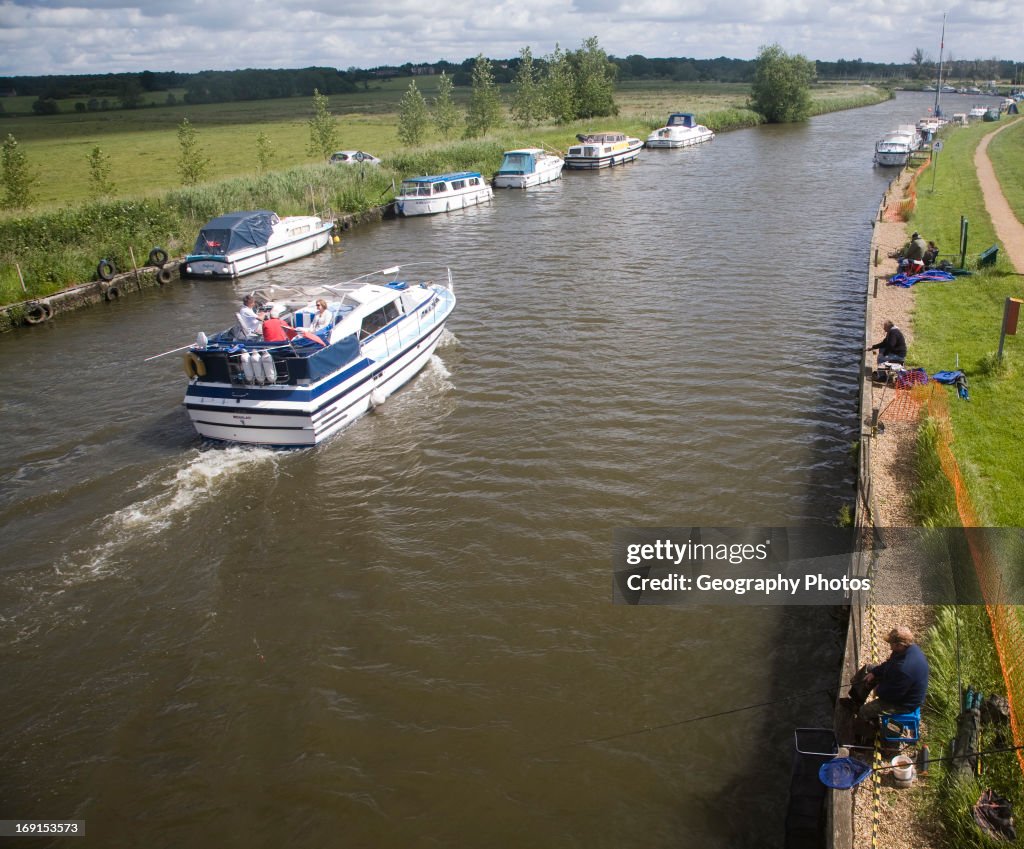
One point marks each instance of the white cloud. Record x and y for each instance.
(51, 37)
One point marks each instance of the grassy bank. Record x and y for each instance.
(1006, 151)
(61, 241)
(143, 147)
(959, 323)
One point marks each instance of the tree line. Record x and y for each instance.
(127, 91)
(565, 86)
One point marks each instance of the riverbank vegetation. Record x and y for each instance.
(957, 325)
(961, 655)
(258, 155)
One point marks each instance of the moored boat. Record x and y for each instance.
(240, 243)
(378, 331)
(442, 193)
(528, 166)
(894, 148)
(602, 150)
(681, 130)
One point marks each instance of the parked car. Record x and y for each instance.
(349, 157)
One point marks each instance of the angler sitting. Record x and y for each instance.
(912, 255)
(893, 348)
(901, 682)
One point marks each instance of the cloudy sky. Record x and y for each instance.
(99, 36)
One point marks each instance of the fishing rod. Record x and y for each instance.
(661, 727)
(932, 760)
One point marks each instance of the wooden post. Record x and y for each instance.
(22, 279)
(131, 253)
(1011, 312)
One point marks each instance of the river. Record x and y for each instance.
(405, 637)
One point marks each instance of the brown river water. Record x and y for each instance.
(405, 637)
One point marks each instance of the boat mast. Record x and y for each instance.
(936, 112)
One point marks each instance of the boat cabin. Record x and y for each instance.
(236, 231)
(441, 184)
(520, 161)
(681, 119)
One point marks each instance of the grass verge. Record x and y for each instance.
(960, 653)
(957, 325)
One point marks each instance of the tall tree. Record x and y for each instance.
(413, 117)
(264, 152)
(16, 175)
(99, 173)
(528, 107)
(323, 128)
(446, 114)
(595, 81)
(192, 162)
(485, 103)
(559, 85)
(782, 85)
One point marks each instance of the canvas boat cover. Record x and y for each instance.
(236, 231)
(518, 162)
(681, 119)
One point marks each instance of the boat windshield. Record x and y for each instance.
(516, 163)
(415, 189)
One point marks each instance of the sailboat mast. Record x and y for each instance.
(938, 85)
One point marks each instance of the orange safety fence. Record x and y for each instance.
(1007, 621)
(901, 210)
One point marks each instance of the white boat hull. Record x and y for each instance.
(675, 140)
(446, 203)
(603, 160)
(290, 415)
(524, 181)
(289, 424)
(243, 262)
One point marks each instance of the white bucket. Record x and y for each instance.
(902, 770)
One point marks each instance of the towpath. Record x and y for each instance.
(893, 479)
(1009, 230)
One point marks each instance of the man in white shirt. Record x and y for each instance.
(250, 321)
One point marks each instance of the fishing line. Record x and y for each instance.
(678, 722)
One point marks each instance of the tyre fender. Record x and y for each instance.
(157, 256)
(106, 269)
(37, 312)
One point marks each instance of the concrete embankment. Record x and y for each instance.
(44, 308)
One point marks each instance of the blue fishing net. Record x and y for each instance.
(843, 773)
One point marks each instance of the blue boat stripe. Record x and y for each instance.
(278, 395)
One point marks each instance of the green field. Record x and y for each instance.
(143, 147)
(60, 239)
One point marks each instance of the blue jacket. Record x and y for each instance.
(903, 678)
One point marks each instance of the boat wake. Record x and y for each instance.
(201, 478)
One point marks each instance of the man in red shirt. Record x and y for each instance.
(277, 330)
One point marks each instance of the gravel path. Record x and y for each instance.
(1009, 230)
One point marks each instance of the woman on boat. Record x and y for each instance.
(323, 317)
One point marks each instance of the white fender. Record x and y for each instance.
(247, 367)
(376, 398)
(269, 369)
(257, 367)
